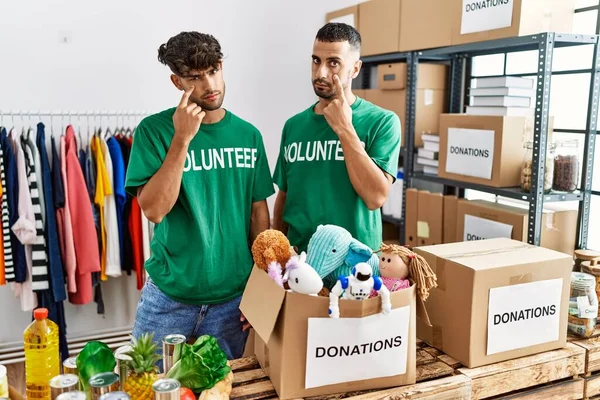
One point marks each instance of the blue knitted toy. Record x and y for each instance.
(333, 253)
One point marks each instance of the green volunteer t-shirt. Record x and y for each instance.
(311, 169)
(200, 252)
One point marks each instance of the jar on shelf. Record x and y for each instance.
(581, 255)
(527, 167)
(592, 267)
(566, 167)
(583, 305)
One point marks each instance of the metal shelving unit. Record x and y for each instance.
(460, 58)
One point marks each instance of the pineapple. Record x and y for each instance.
(142, 369)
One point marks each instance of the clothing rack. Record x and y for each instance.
(130, 115)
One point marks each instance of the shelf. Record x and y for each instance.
(385, 58)
(391, 220)
(512, 44)
(512, 193)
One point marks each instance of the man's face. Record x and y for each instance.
(209, 91)
(331, 59)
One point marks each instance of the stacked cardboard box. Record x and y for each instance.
(389, 26)
(479, 219)
(506, 96)
(430, 218)
(496, 300)
(431, 95)
(486, 150)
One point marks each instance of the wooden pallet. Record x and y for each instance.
(592, 365)
(435, 380)
(549, 375)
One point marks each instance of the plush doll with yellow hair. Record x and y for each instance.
(399, 265)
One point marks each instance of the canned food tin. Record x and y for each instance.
(70, 366)
(103, 383)
(172, 345)
(62, 384)
(115, 396)
(122, 368)
(77, 395)
(166, 389)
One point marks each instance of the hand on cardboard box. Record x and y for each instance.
(338, 113)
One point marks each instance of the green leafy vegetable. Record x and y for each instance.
(95, 358)
(201, 365)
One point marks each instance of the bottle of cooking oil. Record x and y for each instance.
(42, 361)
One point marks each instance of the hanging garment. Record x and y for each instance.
(102, 186)
(6, 257)
(55, 264)
(146, 237)
(127, 244)
(14, 249)
(2, 266)
(118, 166)
(86, 247)
(24, 228)
(135, 227)
(89, 174)
(39, 260)
(113, 252)
(63, 216)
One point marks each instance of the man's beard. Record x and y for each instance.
(210, 106)
(324, 93)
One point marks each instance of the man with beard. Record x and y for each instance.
(339, 157)
(201, 174)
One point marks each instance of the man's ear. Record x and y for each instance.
(177, 82)
(356, 69)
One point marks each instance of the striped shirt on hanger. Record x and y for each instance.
(8, 258)
(39, 272)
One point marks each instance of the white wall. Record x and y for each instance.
(109, 63)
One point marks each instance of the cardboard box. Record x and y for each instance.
(430, 218)
(299, 326)
(410, 220)
(487, 150)
(513, 18)
(450, 215)
(430, 104)
(348, 15)
(429, 76)
(388, 26)
(496, 300)
(480, 219)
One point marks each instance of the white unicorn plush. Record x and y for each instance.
(301, 277)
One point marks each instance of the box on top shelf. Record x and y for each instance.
(389, 26)
(431, 95)
(348, 15)
(480, 20)
(480, 219)
(496, 300)
(486, 150)
(325, 355)
(429, 76)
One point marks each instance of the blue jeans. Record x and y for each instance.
(158, 313)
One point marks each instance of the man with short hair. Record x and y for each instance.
(201, 174)
(339, 158)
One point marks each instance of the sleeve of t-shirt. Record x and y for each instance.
(280, 174)
(263, 182)
(385, 148)
(144, 160)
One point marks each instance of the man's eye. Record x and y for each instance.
(335, 64)
(315, 61)
(214, 71)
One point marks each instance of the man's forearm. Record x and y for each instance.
(278, 222)
(368, 180)
(259, 219)
(159, 194)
